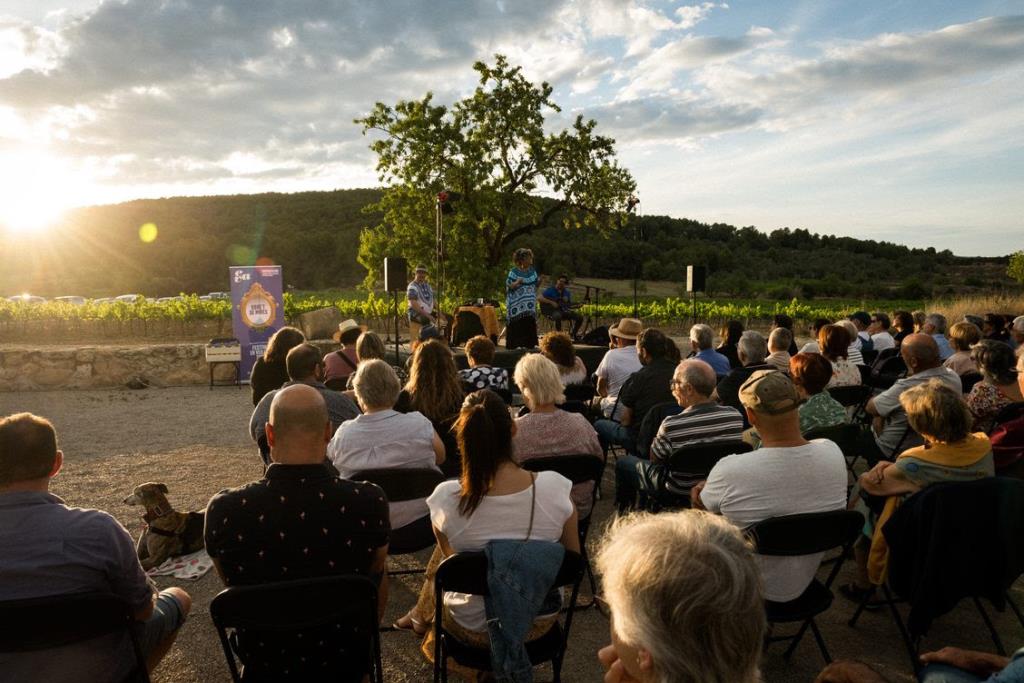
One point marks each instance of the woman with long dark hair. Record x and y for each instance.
(731, 333)
(495, 499)
(434, 387)
(269, 371)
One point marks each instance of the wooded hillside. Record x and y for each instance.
(97, 251)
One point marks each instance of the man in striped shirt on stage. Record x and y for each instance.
(702, 421)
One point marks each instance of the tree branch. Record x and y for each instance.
(530, 227)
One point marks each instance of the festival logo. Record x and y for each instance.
(258, 307)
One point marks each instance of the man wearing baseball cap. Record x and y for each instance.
(618, 364)
(788, 475)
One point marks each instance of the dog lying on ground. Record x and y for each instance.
(169, 533)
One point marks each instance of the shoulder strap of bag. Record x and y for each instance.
(344, 357)
(533, 502)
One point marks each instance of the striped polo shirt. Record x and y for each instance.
(702, 423)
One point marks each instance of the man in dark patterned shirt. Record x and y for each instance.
(299, 522)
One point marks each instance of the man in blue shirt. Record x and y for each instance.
(935, 325)
(702, 338)
(556, 304)
(421, 298)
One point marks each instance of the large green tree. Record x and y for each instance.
(513, 176)
(1016, 267)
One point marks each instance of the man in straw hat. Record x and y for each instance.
(338, 365)
(618, 364)
(788, 475)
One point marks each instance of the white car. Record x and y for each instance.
(103, 300)
(219, 295)
(168, 299)
(128, 298)
(73, 300)
(27, 299)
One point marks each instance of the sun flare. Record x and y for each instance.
(38, 190)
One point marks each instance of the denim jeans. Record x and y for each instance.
(635, 477)
(610, 432)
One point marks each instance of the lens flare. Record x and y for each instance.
(148, 232)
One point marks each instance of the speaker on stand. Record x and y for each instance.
(696, 281)
(396, 278)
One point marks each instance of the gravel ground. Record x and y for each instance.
(195, 441)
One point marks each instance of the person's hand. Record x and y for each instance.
(977, 663)
(615, 672)
(695, 501)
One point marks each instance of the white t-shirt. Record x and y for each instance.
(747, 488)
(615, 368)
(882, 341)
(386, 440)
(497, 518)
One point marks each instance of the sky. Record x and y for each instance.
(893, 120)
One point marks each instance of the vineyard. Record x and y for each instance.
(191, 316)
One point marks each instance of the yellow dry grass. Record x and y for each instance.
(956, 309)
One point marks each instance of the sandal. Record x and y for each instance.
(859, 595)
(410, 623)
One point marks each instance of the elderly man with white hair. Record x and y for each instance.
(1017, 332)
(935, 325)
(702, 421)
(752, 349)
(702, 339)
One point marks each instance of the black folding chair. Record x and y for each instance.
(935, 545)
(582, 392)
(805, 534)
(249, 616)
(1009, 413)
(467, 573)
(854, 396)
(578, 469)
(846, 436)
(885, 374)
(402, 485)
(869, 356)
(55, 621)
(968, 380)
(693, 462)
(650, 424)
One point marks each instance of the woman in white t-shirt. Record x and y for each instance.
(557, 347)
(834, 342)
(496, 500)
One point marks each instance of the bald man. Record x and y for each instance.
(300, 521)
(921, 354)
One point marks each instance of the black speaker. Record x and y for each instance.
(695, 278)
(396, 274)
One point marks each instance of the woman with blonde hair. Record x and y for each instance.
(557, 347)
(962, 336)
(368, 346)
(434, 387)
(701, 566)
(270, 372)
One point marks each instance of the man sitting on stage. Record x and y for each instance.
(421, 298)
(556, 304)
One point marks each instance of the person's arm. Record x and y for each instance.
(570, 532)
(602, 386)
(124, 572)
(885, 479)
(973, 661)
(626, 416)
(661, 447)
(379, 567)
(439, 451)
(442, 543)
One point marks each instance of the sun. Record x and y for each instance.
(23, 217)
(38, 189)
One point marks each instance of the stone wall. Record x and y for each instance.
(95, 367)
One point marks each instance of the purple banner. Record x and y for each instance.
(257, 309)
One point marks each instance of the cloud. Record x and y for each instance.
(666, 118)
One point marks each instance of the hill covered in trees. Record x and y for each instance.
(98, 251)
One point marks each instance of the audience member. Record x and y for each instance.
(950, 453)
(891, 432)
(919, 320)
(546, 430)
(702, 421)
(1017, 332)
(834, 342)
(300, 521)
(849, 671)
(994, 328)
(812, 345)
(935, 325)
(730, 334)
(853, 352)
(962, 336)
(881, 338)
(703, 568)
(953, 665)
(903, 321)
(998, 387)
(788, 475)
(383, 438)
(304, 367)
(975, 320)
(481, 374)
(494, 500)
(618, 364)
(434, 387)
(369, 345)
(50, 549)
(752, 352)
(781, 320)
(861, 321)
(779, 341)
(646, 388)
(269, 371)
(557, 347)
(811, 373)
(338, 365)
(702, 338)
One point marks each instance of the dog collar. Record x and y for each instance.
(156, 513)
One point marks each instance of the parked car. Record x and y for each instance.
(27, 299)
(168, 299)
(128, 298)
(103, 300)
(73, 300)
(219, 295)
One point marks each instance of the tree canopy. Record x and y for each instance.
(512, 177)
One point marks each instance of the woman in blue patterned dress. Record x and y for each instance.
(521, 302)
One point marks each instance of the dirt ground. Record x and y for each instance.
(195, 440)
